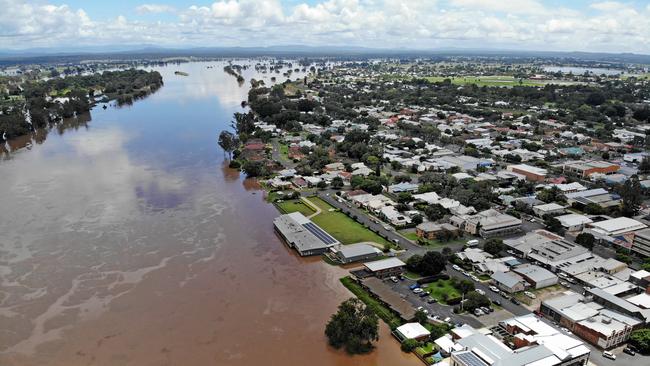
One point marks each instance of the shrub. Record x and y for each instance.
(409, 345)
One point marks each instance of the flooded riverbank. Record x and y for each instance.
(128, 242)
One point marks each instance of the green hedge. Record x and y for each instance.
(388, 316)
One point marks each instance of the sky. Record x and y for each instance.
(539, 25)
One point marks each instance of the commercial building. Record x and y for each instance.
(533, 174)
(573, 222)
(539, 343)
(617, 226)
(536, 276)
(303, 235)
(615, 303)
(589, 320)
(641, 242)
(385, 267)
(355, 252)
(548, 250)
(491, 223)
(619, 231)
(586, 168)
(509, 282)
(597, 196)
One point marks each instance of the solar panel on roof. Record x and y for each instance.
(319, 233)
(470, 359)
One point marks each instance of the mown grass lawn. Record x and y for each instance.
(295, 206)
(342, 227)
(442, 290)
(428, 348)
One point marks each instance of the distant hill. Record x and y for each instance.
(45, 55)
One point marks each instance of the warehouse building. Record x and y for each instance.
(355, 252)
(537, 276)
(532, 173)
(303, 235)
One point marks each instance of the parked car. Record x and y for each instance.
(465, 273)
(417, 290)
(478, 312)
(414, 286)
(479, 291)
(394, 279)
(496, 302)
(475, 278)
(609, 355)
(629, 351)
(515, 301)
(494, 289)
(423, 294)
(530, 294)
(447, 319)
(456, 267)
(431, 300)
(564, 283)
(486, 310)
(571, 280)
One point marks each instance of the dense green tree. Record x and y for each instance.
(587, 240)
(353, 327)
(631, 196)
(435, 212)
(640, 339)
(494, 246)
(431, 263)
(553, 224)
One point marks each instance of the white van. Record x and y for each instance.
(472, 243)
(609, 355)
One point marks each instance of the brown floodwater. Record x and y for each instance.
(124, 240)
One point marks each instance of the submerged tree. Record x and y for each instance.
(353, 327)
(228, 142)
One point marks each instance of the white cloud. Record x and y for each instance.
(526, 24)
(154, 9)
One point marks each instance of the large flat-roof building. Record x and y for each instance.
(492, 223)
(536, 276)
(355, 252)
(532, 173)
(536, 344)
(587, 168)
(385, 267)
(303, 235)
(589, 320)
